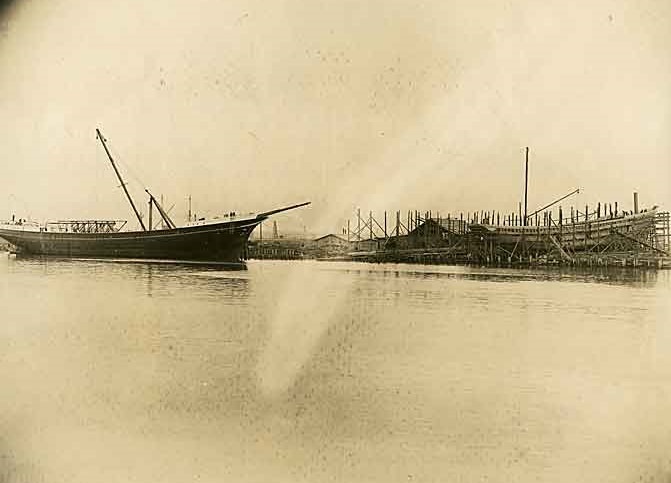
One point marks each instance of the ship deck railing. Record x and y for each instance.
(20, 225)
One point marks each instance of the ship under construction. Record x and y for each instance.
(604, 234)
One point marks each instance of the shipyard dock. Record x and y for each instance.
(591, 236)
(602, 235)
(599, 236)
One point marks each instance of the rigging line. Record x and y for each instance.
(127, 167)
(119, 163)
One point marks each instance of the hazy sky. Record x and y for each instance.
(249, 105)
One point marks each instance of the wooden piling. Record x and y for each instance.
(261, 238)
(370, 224)
(358, 224)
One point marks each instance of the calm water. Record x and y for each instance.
(290, 371)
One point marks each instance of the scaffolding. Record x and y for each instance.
(85, 226)
(601, 236)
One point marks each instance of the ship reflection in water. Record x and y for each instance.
(284, 371)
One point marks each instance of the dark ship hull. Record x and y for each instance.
(215, 242)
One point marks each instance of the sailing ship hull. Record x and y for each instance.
(219, 242)
(578, 235)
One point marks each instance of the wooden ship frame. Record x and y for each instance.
(603, 235)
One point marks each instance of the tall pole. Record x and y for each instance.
(123, 185)
(189, 208)
(358, 224)
(261, 238)
(526, 185)
(161, 211)
(370, 224)
(151, 203)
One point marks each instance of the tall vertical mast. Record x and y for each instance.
(526, 186)
(151, 204)
(161, 211)
(123, 185)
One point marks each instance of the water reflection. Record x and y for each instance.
(159, 278)
(607, 275)
(632, 276)
(205, 281)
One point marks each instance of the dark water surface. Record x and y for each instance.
(306, 371)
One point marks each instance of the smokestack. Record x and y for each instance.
(635, 202)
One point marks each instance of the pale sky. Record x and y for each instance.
(250, 105)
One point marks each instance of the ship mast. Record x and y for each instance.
(161, 211)
(123, 185)
(526, 187)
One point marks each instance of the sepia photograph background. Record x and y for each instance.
(335, 372)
